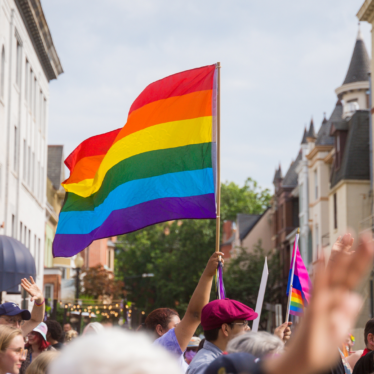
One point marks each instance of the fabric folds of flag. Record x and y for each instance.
(160, 166)
(301, 287)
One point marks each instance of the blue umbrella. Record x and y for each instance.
(16, 262)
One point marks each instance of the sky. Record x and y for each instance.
(281, 63)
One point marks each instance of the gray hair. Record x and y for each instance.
(114, 351)
(258, 344)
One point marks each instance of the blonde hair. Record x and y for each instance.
(70, 335)
(7, 334)
(41, 363)
(115, 351)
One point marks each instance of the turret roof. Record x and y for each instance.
(290, 179)
(323, 137)
(311, 132)
(303, 140)
(359, 66)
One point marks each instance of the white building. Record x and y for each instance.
(28, 61)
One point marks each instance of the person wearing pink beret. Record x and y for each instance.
(221, 320)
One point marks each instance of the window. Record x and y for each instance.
(34, 93)
(18, 64)
(13, 226)
(29, 167)
(31, 79)
(44, 116)
(48, 291)
(33, 171)
(2, 73)
(27, 69)
(15, 149)
(25, 236)
(335, 212)
(315, 184)
(41, 184)
(317, 240)
(20, 231)
(40, 110)
(109, 258)
(29, 241)
(24, 159)
(38, 268)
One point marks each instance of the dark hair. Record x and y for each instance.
(369, 329)
(201, 344)
(55, 329)
(43, 345)
(211, 335)
(161, 316)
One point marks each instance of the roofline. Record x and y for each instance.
(318, 148)
(354, 86)
(254, 225)
(366, 12)
(40, 35)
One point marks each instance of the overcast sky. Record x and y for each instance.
(281, 62)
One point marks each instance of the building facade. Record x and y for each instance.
(28, 62)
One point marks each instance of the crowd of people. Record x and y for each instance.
(167, 343)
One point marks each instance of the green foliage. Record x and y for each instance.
(243, 278)
(249, 199)
(177, 252)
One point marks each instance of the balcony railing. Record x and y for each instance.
(325, 240)
(367, 224)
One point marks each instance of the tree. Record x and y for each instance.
(99, 282)
(243, 278)
(177, 252)
(249, 199)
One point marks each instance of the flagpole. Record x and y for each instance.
(218, 136)
(292, 274)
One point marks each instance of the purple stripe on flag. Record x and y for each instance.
(130, 219)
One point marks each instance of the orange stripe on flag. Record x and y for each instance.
(177, 108)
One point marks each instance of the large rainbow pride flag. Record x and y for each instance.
(301, 285)
(160, 166)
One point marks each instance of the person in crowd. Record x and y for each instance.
(41, 364)
(235, 363)
(115, 351)
(176, 334)
(69, 336)
(221, 321)
(93, 328)
(192, 349)
(36, 344)
(259, 344)
(160, 321)
(357, 360)
(12, 352)
(54, 334)
(67, 327)
(12, 315)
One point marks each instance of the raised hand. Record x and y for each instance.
(32, 289)
(212, 264)
(283, 331)
(331, 314)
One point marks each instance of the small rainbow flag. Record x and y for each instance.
(301, 285)
(160, 166)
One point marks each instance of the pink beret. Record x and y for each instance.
(217, 312)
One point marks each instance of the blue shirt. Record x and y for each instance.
(170, 342)
(203, 358)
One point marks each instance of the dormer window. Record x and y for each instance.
(350, 108)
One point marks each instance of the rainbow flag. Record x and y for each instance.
(301, 286)
(160, 166)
